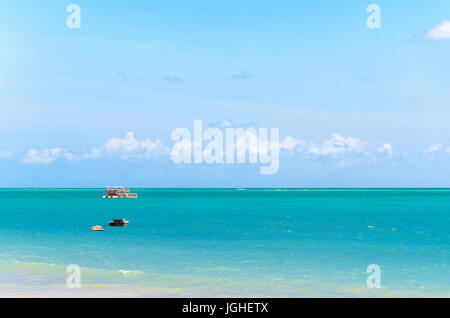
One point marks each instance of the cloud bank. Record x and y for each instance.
(337, 146)
(122, 148)
(131, 148)
(45, 156)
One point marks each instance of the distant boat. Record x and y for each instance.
(118, 222)
(97, 228)
(118, 193)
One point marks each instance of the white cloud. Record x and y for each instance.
(386, 148)
(225, 124)
(130, 147)
(440, 32)
(436, 150)
(94, 153)
(126, 148)
(5, 154)
(339, 145)
(336, 146)
(433, 149)
(45, 156)
(290, 143)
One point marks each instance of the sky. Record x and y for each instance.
(96, 105)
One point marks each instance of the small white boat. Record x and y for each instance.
(97, 228)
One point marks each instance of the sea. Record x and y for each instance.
(226, 243)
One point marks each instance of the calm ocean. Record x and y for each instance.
(226, 242)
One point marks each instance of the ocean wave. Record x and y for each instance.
(125, 272)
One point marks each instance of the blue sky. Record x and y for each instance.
(310, 68)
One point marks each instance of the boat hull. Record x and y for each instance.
(118, 224)
(120, 197)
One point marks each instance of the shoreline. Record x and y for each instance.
(42, 282)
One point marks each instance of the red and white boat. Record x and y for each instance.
(118, 193)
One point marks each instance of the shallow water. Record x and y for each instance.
(226, 242)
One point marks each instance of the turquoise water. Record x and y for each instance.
(226, 242)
